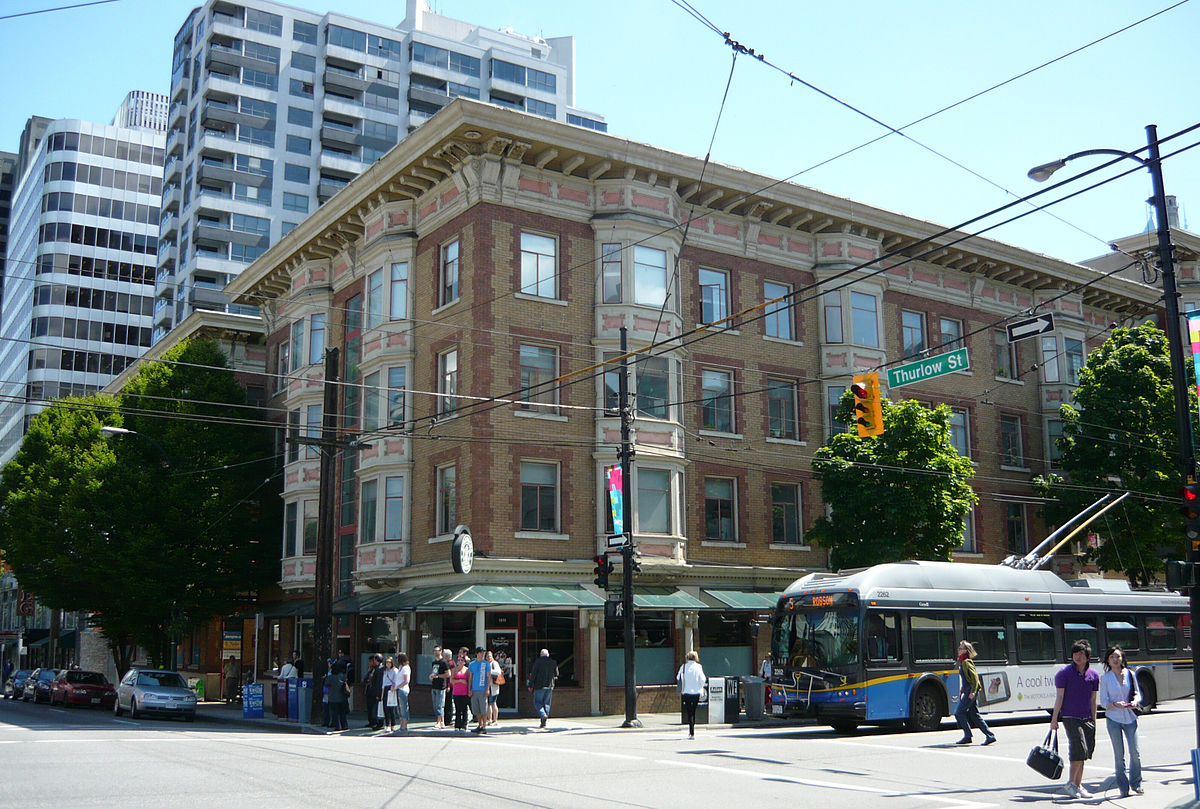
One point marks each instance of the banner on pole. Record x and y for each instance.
(615, 498)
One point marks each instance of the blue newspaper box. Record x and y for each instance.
(252, 701)
(304, 689)
(292, 706)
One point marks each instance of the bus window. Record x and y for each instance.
(1082, 627)
(933, 637)
(1035, 639)
(883, 637)
(1121, 630)
(986, 632)
(1160, 633)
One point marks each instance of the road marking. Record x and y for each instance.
(955, 752)
(567, 750)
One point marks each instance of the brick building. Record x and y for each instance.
(475, 280)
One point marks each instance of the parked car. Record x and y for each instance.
(14, 686)
(84, 688)
(155, 691)
(37, 685)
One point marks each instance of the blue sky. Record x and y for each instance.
(658, 75)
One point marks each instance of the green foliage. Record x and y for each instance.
(155, 532)
(1120, 435)
(901, 495)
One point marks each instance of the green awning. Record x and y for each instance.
(482, 595)
(665, 598)
(744, 599)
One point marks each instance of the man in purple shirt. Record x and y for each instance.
(1078, 686)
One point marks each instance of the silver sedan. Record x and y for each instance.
(155, 691)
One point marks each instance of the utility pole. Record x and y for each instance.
(627, 549)
(326, 529)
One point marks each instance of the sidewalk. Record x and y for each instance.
(423, 725)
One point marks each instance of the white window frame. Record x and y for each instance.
(778, 323)
(713, 307)
(538, 401)
(446, 498)
(1070, 370)
(1054, 430)
(283, 363)
(907, 328)
(645, 263)
(398, 291)
(373, 306)
(833, 402)
(368, 512)
(799, 503)
(773, 384)
(556, 528)
(539, 270)
(448, 383)
(1048, 346)
(831, 317)
(297, 344)
(313, 427)
(611, 281)
(970, 541)
(395, 520)
(857, 297)
(964, 429)
(372, 395)
(291, 531)
(316, 339)
(1002, 345)
(396, 396)
(717, 402)
(671, 496)
(449, 273)
(1006, 459)
(732, 539)
(1022, 519)
(956, 329)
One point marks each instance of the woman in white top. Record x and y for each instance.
(403, 680)
(493, 688)
(391, 679)
(691, 681)
(1120, 695)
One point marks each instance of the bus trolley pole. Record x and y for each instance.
(627, 550)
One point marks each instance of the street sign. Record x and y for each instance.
(613, 595)
(616, 540)
(614, 609)
(919, 371)
(1030, 327)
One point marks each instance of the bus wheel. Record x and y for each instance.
(926, 710)
(844, 725)
(1149, 691)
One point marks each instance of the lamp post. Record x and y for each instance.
(1187, 453)
(108, 431)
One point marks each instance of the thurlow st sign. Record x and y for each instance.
(940, 365)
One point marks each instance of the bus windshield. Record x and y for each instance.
(818, 639)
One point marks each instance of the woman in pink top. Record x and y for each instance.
(460, 690)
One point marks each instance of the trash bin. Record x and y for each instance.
(754, 693)
(304, 689)
(292, 706)
(281, 699)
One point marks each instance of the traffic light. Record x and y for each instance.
(602, 569)
(868, 408)
(1190, 509)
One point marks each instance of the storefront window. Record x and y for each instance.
(654, 639)
(725, 646)
(554, 631)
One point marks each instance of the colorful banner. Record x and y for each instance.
(1193, 319)
(615, 498)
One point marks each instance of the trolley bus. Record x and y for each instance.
(878, 646)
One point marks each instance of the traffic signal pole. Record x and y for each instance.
(626, 454)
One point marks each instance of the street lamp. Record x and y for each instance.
(108, 431)
(1187, 454)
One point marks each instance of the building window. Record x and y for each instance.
(959, 436)
(304, 32)
(1010, 441)
(654, 500)
(1054, 431)
(395, 393)
(1014, 527)
(398, 293)
(719, 520)
(833, 403)
(311, 514)
(1050, 359)
(785, 514)
(782, 409)
(375, 299)
(653, 385)
(298, 145)
(283, 363)
(952, 334)
(649, 276)
(290, 526)
(295, 174)
(293, 432)
(447, 518)
(864, 311)
(714, 296)
(393, 509)
(832, 307)
(539, 367)
(778, 322)
(448, 285)
(371, 401)
(1073, 353)
(297, 344)
(912, 333)
(1005, 355)
(610, 271)
(448, 382)
(716, 402)
(968, 535)
(295, 202)
(539, 497)
(312, 422)
(538, 266)
(369, 510)
(316, 339)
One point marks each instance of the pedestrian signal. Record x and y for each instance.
(868, 405)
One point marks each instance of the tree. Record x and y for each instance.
(168, 526)
(1119, 435)
(901, 495)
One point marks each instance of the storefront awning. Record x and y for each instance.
(665, 598)
(481, 595)
(744, 599)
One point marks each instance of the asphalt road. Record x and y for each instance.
(90, 759)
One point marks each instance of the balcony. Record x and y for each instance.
(427, 96)
(345, 79)
(175, 139)
(328, 187)
(171, 198)
(203, 297)
(340, 135)
(223, 173)
(177, 117)
(222, 234)
(168, 226)
(233, 57)
(339, 162)
(173, 170)
(220, 114)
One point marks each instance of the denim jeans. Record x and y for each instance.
(439, 701)
(968, 714)
(541, 701)
(1123, 736)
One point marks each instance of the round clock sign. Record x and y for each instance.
(462, 551)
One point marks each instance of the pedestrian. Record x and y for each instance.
(339, 697)
(1121, 697)
(448, 656)
(325, 717)
(287, 671)
(373, 691)
(231, 672)
(460, 690)
(967, 713)
(691, 680)
(391, 681)
(298, 663)
(1078, 686)
(541, 682)
(765, 668)
(495, 680)
(403, 686)
(439, 676)
(481, 678)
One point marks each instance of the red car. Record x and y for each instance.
(88, 689)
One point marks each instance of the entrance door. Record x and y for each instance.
(504, 646)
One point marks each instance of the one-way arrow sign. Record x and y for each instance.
(1030, 328)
